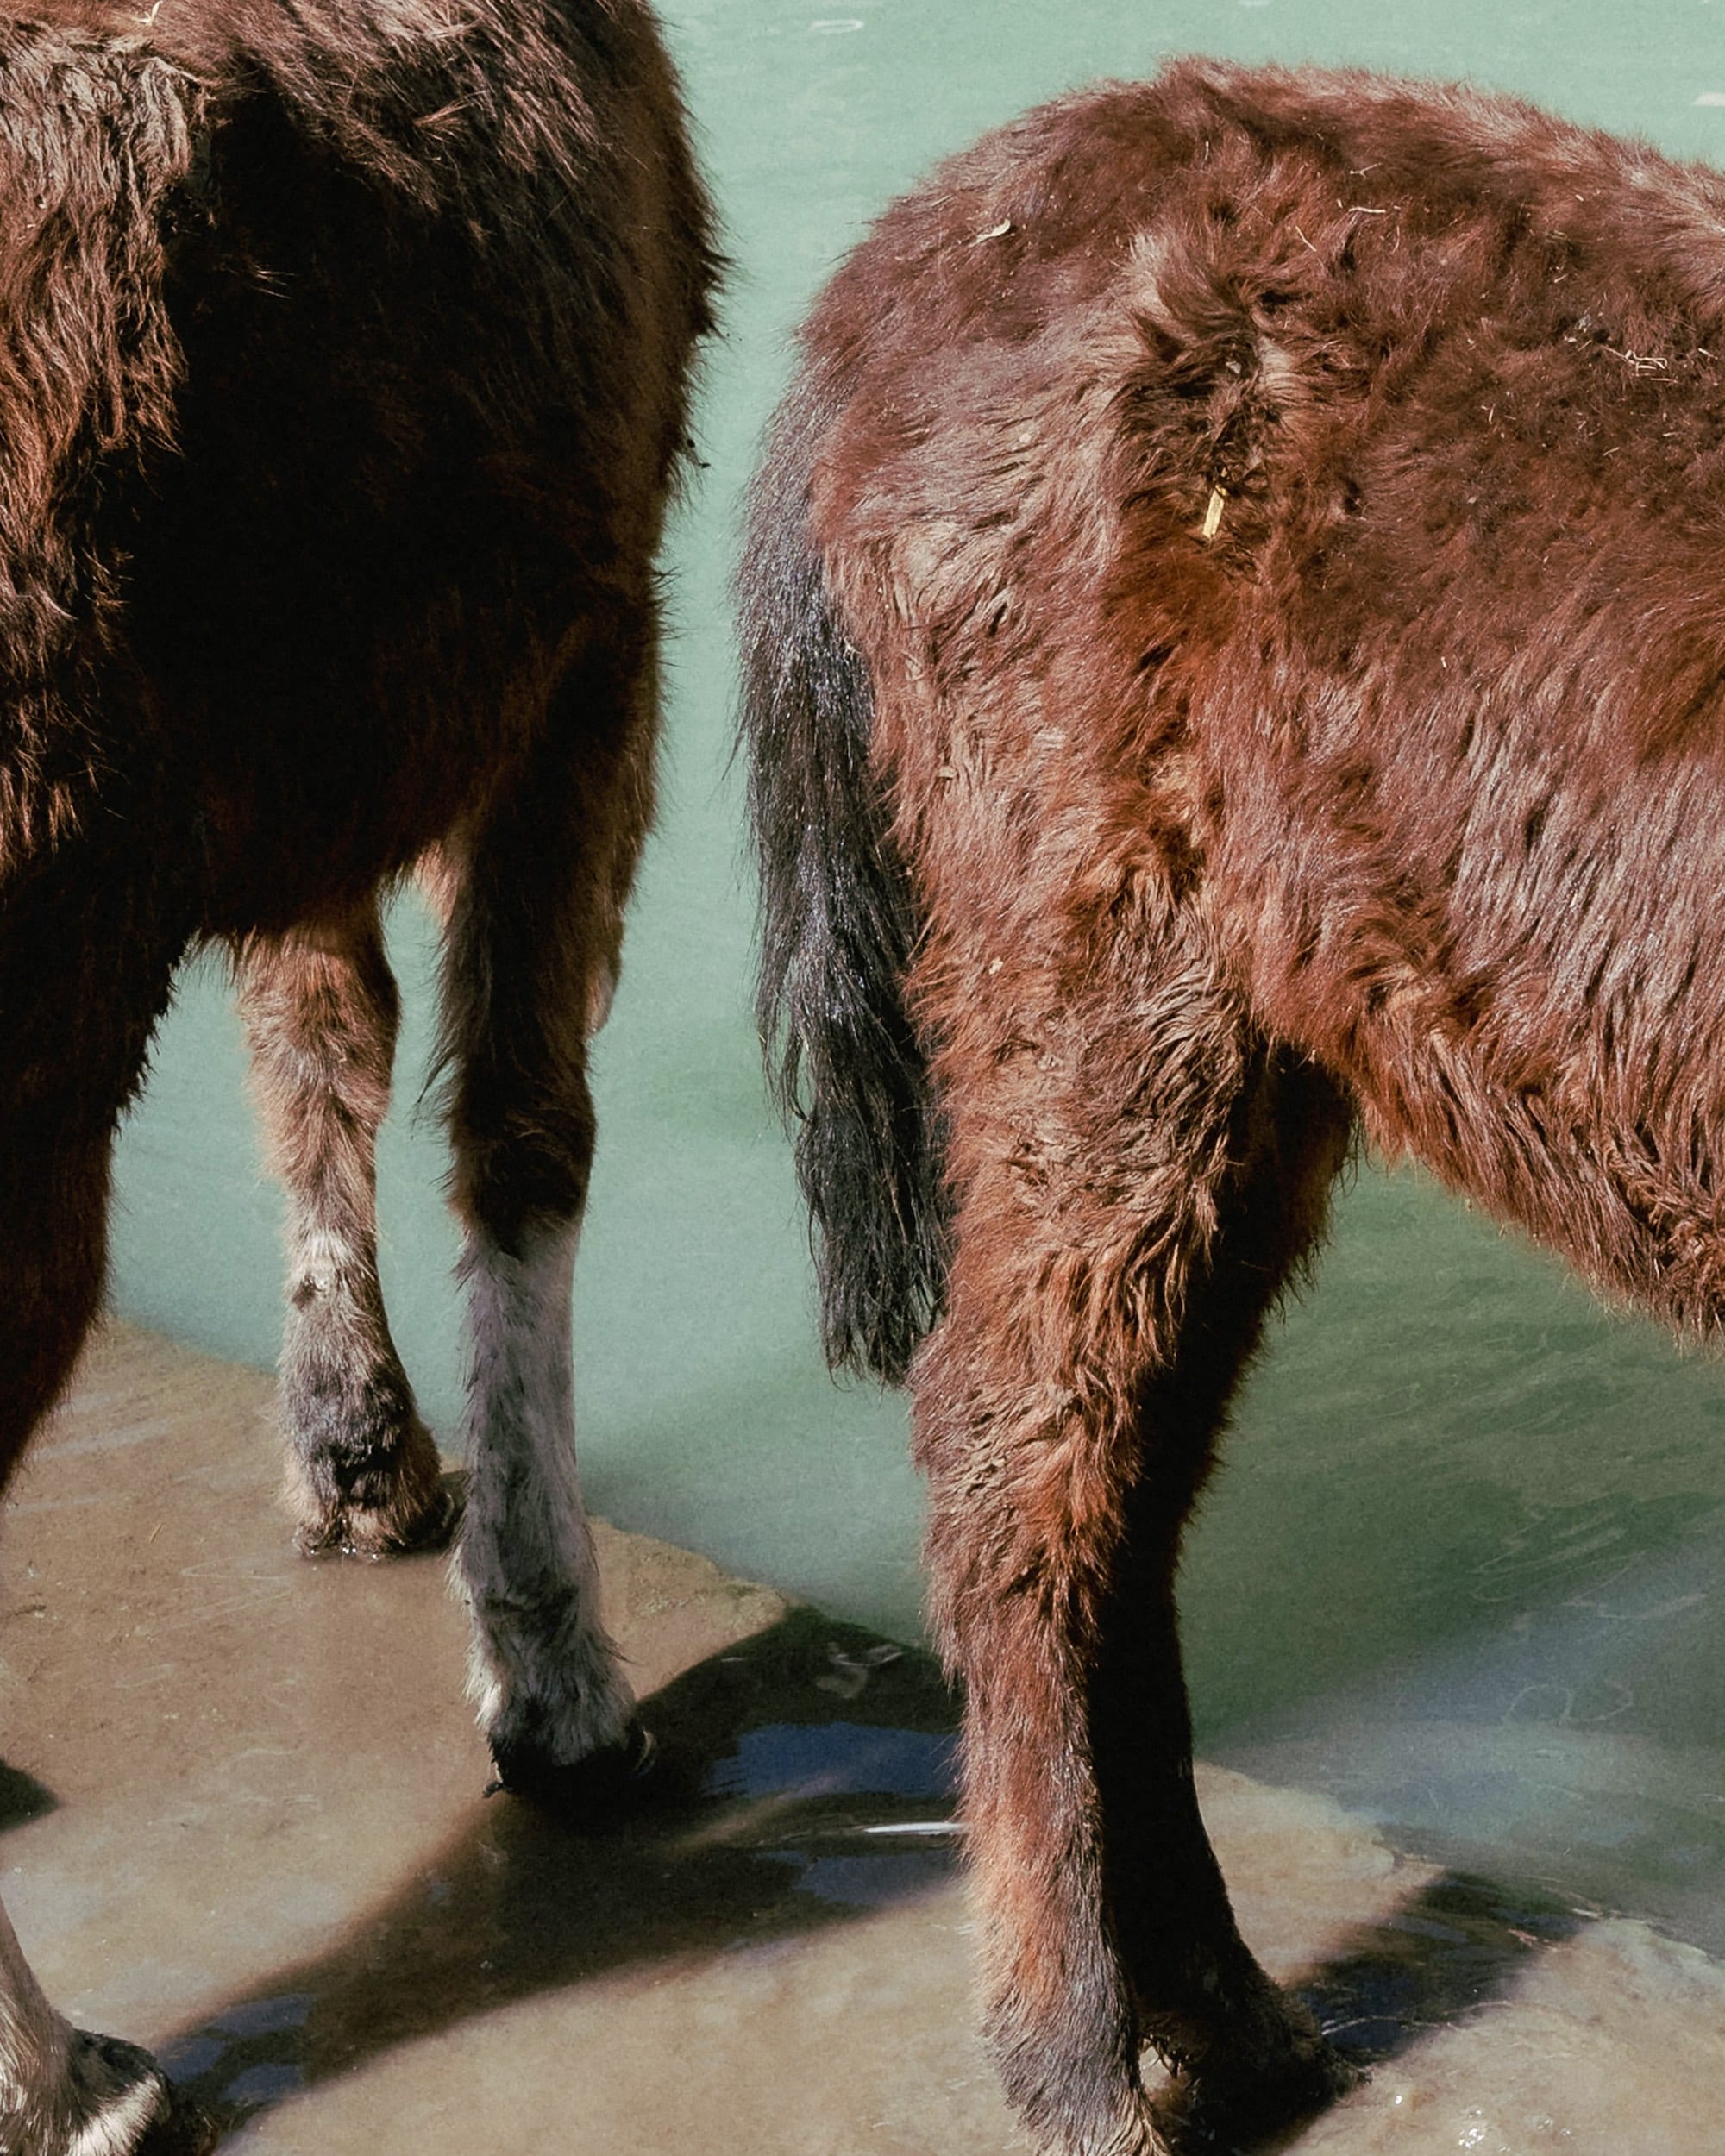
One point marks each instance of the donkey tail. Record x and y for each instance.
(839, 924)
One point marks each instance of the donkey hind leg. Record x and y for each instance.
(85, 962)
(1203, 2003)
(320, 1011)
(1102, 1308)
(535, 909)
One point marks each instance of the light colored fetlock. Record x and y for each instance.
(542, 1672)
(112, 2101)
(65, 2092)
(557, 1689)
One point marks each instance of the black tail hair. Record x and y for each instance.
(839, 924)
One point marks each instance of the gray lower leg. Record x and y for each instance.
(544, 1675)
(533, 901)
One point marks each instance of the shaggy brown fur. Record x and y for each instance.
(320, 1010)
(1236, 591)
(342, 386)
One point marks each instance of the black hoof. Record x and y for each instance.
(436, 1529)
(185, 2129)
(602, 1791)
(177, 2127)
(1224, 2110)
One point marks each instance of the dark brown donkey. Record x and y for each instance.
(1237, 650)
(342, 381)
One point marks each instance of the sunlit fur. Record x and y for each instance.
(1235, 634)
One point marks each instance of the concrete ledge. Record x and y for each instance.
(244, 1825)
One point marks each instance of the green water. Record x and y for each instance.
(1464, 1565)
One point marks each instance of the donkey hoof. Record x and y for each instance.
(384, 1531)
(1228, 2105)
(123, 2100)
(600, 1790)
(434, 1527)
(182, 2127)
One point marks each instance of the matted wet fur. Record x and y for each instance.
(342, 387)
(1236, 631)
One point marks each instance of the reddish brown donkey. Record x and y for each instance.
(342, 385)
(1236, 648)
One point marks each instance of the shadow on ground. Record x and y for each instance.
(805, 1775)
(806, 1779)
(1453, 1949)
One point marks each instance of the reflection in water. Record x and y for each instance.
(833, 1756)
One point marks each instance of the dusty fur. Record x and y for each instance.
(1273, 522)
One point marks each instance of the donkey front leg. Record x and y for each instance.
(534, 916)
(65, 2092)
(1117, 1245)
(321, 1011)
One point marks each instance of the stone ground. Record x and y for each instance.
(243, 1819)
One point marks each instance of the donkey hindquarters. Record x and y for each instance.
(1234, 649)
(336, 458)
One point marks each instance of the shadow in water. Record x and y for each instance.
(807, 1776)
(1458, 1946)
